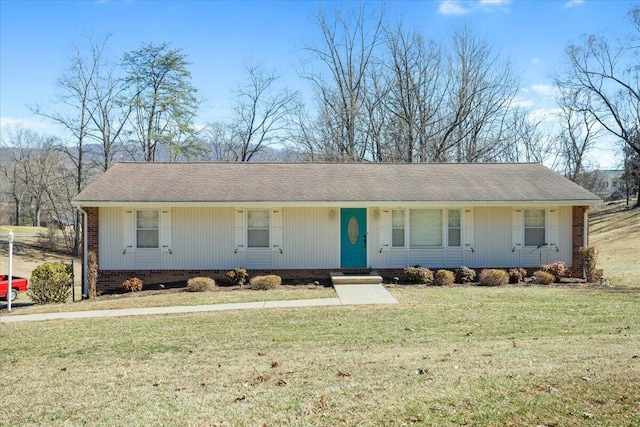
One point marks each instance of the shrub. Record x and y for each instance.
(543, 278)
(417, 274)
(50, 283)
(132, 285)
(201, 284)
(517, 275)
(237, 276)
(589, 260)
(270, 281)
(443, 278)
(465, 275)
(558, 269)
(493, 277)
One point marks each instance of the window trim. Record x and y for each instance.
(444, 229)
(459, 228)
(268, 228)
(441, 230)
(136, 229)
(404, 227)
(545, 228)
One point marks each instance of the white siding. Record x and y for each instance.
(378, 234)
(258, 259)
(453, 257)
(112, 242)
(492, 240)
(205, 238)
(201, 238)
(310, 239)
(427, 257)
(398, 258)
(565, 238)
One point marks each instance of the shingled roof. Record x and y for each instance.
(288, 183)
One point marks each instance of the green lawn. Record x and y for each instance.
(559, 356)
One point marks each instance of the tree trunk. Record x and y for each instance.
(16, 221)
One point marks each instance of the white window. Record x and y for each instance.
(397, 228)
(534, 227)
(425, 228)
(258, 228)
(453, 230)
(147, 229)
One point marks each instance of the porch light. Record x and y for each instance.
(332, 214)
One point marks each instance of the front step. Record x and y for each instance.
(339, 278)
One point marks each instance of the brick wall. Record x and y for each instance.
(92, 235)
(578, 239)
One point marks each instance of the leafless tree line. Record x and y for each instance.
(381, 93)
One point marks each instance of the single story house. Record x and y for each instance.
(167, 222)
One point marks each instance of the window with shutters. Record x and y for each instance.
(397, 228)
(147, 229)
(258, 228)
(534, 227)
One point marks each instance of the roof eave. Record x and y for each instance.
(333, 203)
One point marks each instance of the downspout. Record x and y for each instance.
(585, 238)
(85, 247)
(585, 234)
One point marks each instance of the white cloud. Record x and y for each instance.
(452, 7)
(462, 7)
(41, 126)
(572, 3)
(544, 89)
(494, 2)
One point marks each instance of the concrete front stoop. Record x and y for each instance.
(339, 278)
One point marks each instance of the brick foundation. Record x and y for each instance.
(578, 236)
(110, 280)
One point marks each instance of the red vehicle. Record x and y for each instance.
(18, 284)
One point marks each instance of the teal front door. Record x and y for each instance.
(353, 238)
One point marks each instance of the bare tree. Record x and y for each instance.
(77, 108)
(606, 77)
(341, 85)
(15, 144)
(110, 111)
(481, 90)
(416, 93)
(580, 131)
(521, 138)
(216, 142)
(261, 114)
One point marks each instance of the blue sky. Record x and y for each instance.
(218, 37)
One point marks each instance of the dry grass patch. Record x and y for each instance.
(615, 231)
(444, 356)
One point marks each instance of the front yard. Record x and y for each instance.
(443, 356)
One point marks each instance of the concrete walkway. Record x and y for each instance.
(364, 294)
(347, 295)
